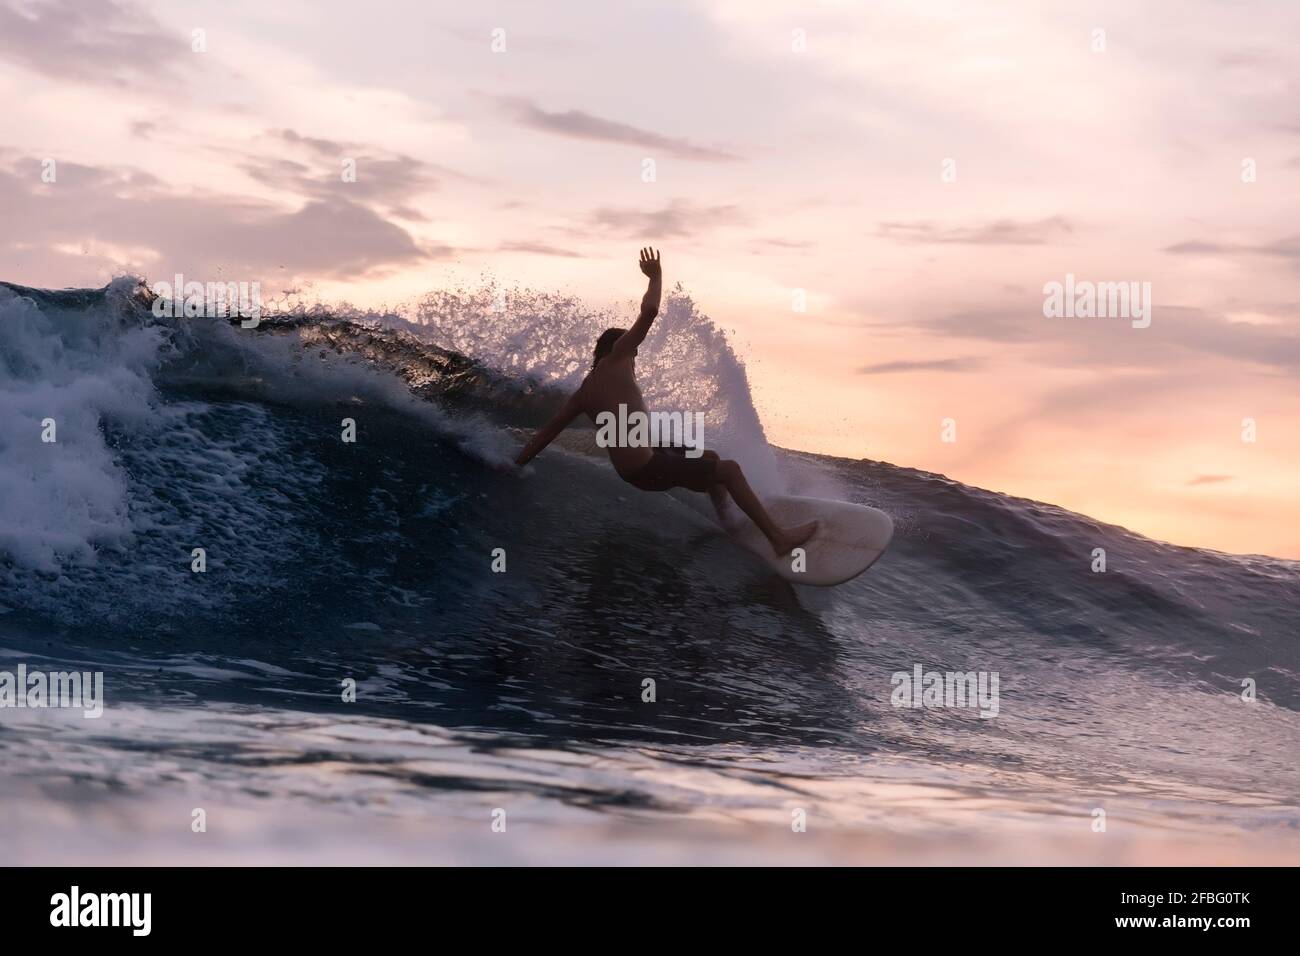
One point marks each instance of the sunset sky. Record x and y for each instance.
(509, 140)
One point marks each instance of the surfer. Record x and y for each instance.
(611, 383)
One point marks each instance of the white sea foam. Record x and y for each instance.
(63, 500)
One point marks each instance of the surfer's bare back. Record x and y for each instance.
(611, 383)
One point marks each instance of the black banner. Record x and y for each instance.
(944, 906)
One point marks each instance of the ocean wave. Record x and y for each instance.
(176, 434)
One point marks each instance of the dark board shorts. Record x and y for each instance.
(670, 468)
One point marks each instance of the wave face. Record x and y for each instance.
(373, 560)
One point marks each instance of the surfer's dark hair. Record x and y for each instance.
(605, 344)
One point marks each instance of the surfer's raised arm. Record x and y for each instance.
(550, 431)
(628, 342)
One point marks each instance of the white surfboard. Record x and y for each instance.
(848, 540)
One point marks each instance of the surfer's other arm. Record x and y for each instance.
(628, 342)
(550, 431)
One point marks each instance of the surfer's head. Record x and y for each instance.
(605, 343)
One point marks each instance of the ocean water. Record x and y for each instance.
(502, 717)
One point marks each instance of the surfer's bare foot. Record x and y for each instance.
(791, 538)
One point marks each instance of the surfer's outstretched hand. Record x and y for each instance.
(650, 262)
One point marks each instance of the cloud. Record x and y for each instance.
(931, 365)
(1011, 323)
(312, 168)
(537, 248)
(998, 232)
(1111, 342)
(1209, 479)
(126, 220)
(579, 125)
(100, 42)
(789, 244)
(332, 150)
(1287, 248)
(676, 220)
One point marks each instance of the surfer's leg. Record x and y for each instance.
(718, 492)
(783, 540)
